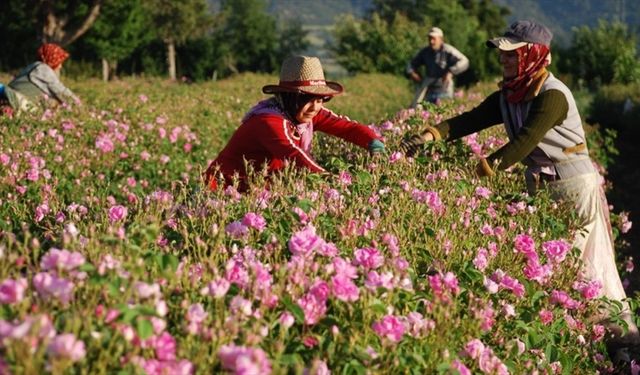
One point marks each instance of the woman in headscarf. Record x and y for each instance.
(280, 130)
(545, 133)
(39, 83)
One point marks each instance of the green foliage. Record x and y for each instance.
(122, 26)
(617, 106)
(602, 54)
(376, 45)
(178, 21)
(626, 67)
(251, 35)
(19, 31)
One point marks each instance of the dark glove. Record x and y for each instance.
(483, 169)
(410, 146)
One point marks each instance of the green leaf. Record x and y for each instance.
(354, 365)
(170, 262)
(128, 315)
(378, 307)
(291, 359)
(295, 310)
(306, 205)
(536, 296)
(144, 328)
(87, 267)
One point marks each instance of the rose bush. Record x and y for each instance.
(115, 257)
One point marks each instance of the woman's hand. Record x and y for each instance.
(376, 148)
(411, 145)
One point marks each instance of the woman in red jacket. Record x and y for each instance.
(279, 130)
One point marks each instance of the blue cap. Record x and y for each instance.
(520, 33)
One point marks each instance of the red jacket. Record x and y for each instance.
(271, 139)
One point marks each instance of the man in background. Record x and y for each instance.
(442, 62)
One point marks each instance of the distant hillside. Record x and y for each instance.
(561, 16)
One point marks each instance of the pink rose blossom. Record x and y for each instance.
(57, 259)
(66, 346)
(236, 230)
(343, 267)
(241, 306)
(460, 367)
(451, 282)
(104, 143)
(255, 221)
(41, 211)
(375, 280)
(390, 327)
(556, 250)
(165, 347)
(286, 319)
(50, 286)
(344, 289)
(481, 260)
(144, 290)
(474, 349)
(195, 316)
(369, 258)
(12, 291)
(117, 213)
(244, 360)
(559, 297)
(218, 288)
(546, 317)
(598, 332)
(305, 242)
(394, 157)
(525, 245)
(483, 192)
(588, 290)
(536, 272)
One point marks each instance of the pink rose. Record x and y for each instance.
(66, 346)
(244, 360)
(390, 327)
(369, 258)
(12, 291)
(305, 242)
(117, 213)
(344, 289)
(255, 221)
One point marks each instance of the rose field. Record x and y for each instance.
(114, 258)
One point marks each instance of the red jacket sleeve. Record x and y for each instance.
(341, 126)
(277, 136)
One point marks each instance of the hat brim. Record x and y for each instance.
(504, 43)
(329, 89)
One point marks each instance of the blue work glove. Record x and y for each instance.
(376, 147)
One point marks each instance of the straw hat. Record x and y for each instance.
(303, 74)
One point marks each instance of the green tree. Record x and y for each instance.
(291, 40)
(26, 23)
(175, 22)
(251, 34)
(376, 45)
(123, 25)
(594, 51)
(19, 30)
